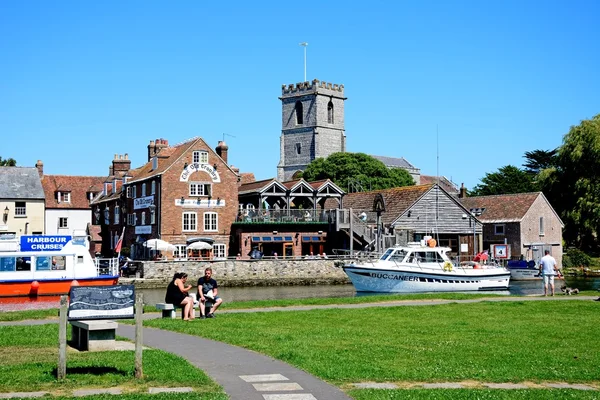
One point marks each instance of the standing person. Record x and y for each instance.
(548, 270)
(177, 294)
(205, 285)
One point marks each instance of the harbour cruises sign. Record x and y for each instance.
(43, 242)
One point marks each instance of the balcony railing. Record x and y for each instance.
(283, 216)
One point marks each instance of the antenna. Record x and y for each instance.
(227, 134)
(304, 44)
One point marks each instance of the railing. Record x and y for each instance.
(279, 216)
(107, 266)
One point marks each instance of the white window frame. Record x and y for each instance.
(192, 223)
(200, 189)
(180, 252)
(117, 214)
(152, 216)
(219, 251)
(211, 222)
(144, 189)
(199, 156)
(499, 229)
(20, 210)
(143, 218)
(153, 187)
(133, 192)
(60, 224)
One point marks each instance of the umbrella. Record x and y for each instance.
(199, 246)
(159, 245)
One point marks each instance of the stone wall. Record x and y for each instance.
(250, 273)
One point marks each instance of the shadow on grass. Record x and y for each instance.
(91, 371)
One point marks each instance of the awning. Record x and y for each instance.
(200, 246)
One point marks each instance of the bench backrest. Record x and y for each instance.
(101, 302)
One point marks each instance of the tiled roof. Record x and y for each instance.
(395, 162)
(20, 183)
(173, 153)
(255, 186)
(501, 208)
(397, 200)
(247, 177)
(445, 183)
(78, 186)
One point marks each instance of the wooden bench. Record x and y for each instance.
(93, 335)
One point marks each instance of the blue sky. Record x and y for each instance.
(81, 81)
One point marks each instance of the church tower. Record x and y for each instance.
(312, 125)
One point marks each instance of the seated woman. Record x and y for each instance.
(177, 294)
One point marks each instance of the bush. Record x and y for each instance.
(576, 258)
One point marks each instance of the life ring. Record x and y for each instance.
(448, 266)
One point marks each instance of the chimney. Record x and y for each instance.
(463, 191)
(156, 146)
(40, 167)
(222, 150)
(121, 164)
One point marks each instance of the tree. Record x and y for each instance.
(539, 160)
(11, 162)
(345, 168)
(509, 179)
(578, 178)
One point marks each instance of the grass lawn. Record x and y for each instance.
(29, 358)
(543, 341)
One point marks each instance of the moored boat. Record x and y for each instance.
(525, 271)
(32, 273)
(419, 268)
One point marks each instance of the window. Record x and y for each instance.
(298, 148)
(131, 219)
(128, 192)
(143, 218)
(63, 197)
(541, 226)
(133, 192)
(143, 189)
(90, 196)
(180, 251)
(20, 209)
(330, 112)
(117, 214)
(189, 222)
(153, 188)
(200, 157)
(498, 229)
(152, 216)
(210, 222)
(219, 251)
(199, 189)
(299, 113)
(63, 222)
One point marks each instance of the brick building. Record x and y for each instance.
(183, 193)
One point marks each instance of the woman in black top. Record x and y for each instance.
(177, 294)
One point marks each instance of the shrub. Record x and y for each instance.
(576, 258)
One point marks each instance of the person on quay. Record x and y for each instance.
(205, 285)
(177, 294)
(548, 269)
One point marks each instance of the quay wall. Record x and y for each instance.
(246, 273)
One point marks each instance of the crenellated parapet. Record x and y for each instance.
(312, 87)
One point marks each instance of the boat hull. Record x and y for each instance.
(367, 279)
(49, 287)
(527, 274)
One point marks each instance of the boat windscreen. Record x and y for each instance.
(386, 254)
(398, 255)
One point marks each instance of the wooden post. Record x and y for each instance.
(139, 308)
(61, 372)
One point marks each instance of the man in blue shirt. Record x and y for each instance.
(207, 287)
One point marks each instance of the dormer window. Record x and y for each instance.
(200, 157)
(63, 197)
(299, 113)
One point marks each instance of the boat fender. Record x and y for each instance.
(447, 266)
(35, 285)
(74, 283)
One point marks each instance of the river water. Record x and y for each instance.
(153, 296)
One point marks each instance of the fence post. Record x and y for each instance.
(139, 309)
(61, 372)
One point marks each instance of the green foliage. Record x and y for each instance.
(578, 177)
(509, 179)
(345, 168)
(576, 258)
(539, 160)
(11, 162)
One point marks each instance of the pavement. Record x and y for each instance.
(248, 375)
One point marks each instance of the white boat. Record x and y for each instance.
(525, 271)
(54, 271)
(419, 268)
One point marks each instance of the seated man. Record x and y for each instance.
(207, 284)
